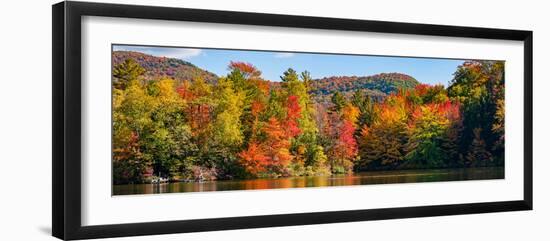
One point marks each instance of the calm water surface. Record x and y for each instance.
(363, 178)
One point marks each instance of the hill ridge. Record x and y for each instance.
(377, 85)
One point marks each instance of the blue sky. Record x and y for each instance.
(273, 64)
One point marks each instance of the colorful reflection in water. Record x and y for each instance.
(364, 178)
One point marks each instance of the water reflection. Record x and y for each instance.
(382, 177)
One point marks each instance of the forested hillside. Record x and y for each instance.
(377, 86)
(158, 67)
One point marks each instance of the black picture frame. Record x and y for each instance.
(66, 128)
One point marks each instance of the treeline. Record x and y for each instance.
(241, 126)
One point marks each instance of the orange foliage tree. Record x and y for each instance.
(254, 159)
(293, 113)
(276, 145)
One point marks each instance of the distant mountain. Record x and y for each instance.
(378, 85)
(158, 67)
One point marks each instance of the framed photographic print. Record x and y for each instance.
(170, 120)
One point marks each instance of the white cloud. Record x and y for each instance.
(180, 53)
(284, 55)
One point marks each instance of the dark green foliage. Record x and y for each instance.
(125, 72)
(338, 102)
(477, 153)
(365, 103)
(479, 86)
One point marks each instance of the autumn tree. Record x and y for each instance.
(129, 164)
(304, 146)
(383, 144)
(426, 134)
(227, 125)
(131, 123)
(130, 120)
(226, 138)
(200, 106)
(496, 84)
(247, 82)
(276, 145)
(293, 114)
(254, 159)
(344, 149)
(248, 70)
(350, 113)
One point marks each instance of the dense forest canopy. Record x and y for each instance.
(174, 120)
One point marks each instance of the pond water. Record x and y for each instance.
(362, 178)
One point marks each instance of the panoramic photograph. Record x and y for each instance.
(203, 120)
